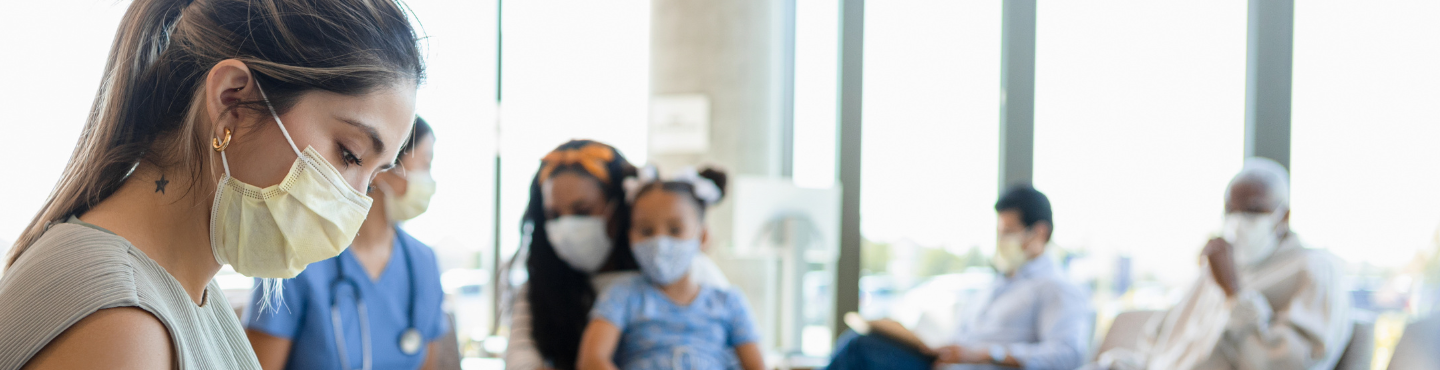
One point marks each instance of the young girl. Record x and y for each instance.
(663, 318)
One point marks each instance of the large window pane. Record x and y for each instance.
(1366, 164)
(48, 96)
(932, 72)
(572, 69)
(817, 48)
(1139, 125)
(458, 101)
(1366, 159)
(817, 41)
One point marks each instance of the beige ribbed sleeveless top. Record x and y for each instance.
(75, 269)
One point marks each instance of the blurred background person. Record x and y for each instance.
(576, 216)
(667, 318)
(376, 305)
(1031, 317)
(577, 208)
(1263, 301)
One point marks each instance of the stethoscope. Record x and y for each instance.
(410, 339)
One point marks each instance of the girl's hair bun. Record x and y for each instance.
(716, 176)
(707, 186)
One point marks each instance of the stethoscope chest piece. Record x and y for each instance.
(410, 341)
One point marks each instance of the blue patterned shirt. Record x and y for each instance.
(657, 333)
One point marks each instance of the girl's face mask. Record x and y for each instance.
(664, 259)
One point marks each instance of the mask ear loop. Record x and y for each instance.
(276, 116)
(1280, 212)
(384, 188)
(1277, 217)
(220, 146)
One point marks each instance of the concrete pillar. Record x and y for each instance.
(1017, 93)
(1268, 66)
(731, 52)
(851, 98)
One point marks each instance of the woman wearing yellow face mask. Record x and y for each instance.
(376, 305)
(238, 132)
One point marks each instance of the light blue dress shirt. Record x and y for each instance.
(1037, 315)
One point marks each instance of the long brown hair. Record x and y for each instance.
(150, 99)
(560, 296)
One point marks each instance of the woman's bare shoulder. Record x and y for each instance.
(113, 338)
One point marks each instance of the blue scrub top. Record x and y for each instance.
(303, 314)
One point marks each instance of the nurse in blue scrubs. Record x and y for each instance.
(375, 306)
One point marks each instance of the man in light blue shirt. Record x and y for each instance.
(1031, 317)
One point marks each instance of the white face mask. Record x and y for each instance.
(1009, 253)
(420, 187)
(580, 241)
(1254, 236)
(663, 259)
(274, 232)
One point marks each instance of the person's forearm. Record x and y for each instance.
(1300, 337)
(1048, 355)
(271, 351)
(1010, 361)
(597, 346)
(1272, 347)
(750, 356)
(430, 363)
(597, 364)
(978, 355)
(442, 354)
(1282, 349)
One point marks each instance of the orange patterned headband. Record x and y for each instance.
(592, 157)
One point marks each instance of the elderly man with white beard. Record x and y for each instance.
(1263, 300)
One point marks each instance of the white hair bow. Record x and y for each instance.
(705, 189)
(646, 175)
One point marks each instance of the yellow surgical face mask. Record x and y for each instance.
(274, 232)
(420, 187)
(1009, 253)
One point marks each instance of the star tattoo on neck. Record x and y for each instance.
(160, 184)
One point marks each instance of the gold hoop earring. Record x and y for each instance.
(219, 145)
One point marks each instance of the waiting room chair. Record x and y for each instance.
(448, 353)
(1417, 348)
(1360, 352)
(1125, 330)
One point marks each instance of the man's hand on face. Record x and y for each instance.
(1222, 265)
